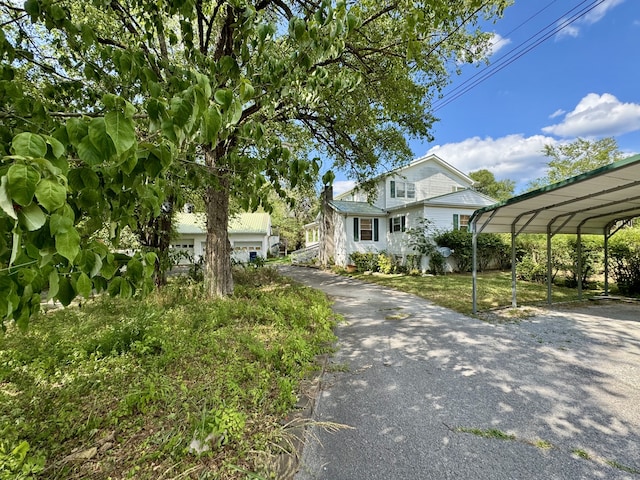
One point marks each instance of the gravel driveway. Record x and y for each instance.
(428, 393)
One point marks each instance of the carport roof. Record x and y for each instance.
(589, 202)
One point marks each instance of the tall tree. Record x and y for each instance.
(242, 87)
(577, 157)
(486, 183)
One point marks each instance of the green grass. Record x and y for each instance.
(454, 291)
(489, 433)
(140, 385)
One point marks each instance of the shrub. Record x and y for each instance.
(459, 241)
(365, 261)
(386, 263)
(624, 252)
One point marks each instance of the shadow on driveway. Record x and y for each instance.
(428, 391)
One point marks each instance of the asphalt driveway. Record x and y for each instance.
(427, 393)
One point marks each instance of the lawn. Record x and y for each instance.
(171, 386)
(454, 290)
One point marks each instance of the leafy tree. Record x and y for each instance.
(486, 183)
(289, 217)
(579, 156)
(240, 91)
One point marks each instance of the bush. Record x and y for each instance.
(386, 263)
(531, 270)
(459, 241)
(624, 251)
(365, 262)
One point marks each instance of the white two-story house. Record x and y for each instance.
(426, 188)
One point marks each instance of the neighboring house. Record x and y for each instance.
(426, 188)
(249, 235)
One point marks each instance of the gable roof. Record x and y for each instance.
(195, 223)
(463, 197)
(356, 208)
(415, 163)
(591, 202)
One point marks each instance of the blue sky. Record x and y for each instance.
(583, 81)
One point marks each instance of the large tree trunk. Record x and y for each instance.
(217, 275)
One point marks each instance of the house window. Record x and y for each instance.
(460, 222)
(365, 229)
(398, 224)
(402, 189)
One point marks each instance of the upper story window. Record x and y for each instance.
(461, 222)
(402, 189)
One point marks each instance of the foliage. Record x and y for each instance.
(624, 252)
(490, 248)
(531, 255)
(386, 263)
(421, 237)
(579, 156)
(155, 374)
(232, 98)
(486, 183)
(365, 261)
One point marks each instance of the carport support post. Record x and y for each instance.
(579, 269)
(474, 269)
(514, 302)
(607, 231)
(549, 265)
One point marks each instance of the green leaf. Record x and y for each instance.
(68, 244)
(66, 293)
(224, 97)
(59, 224)
(51, 194)
(114, 286)
(101, 139)
(125, 289)
(32, 217)
(15, 247)
(22, 183)
(77, 130)
(134, 270)
(57, 148)
(5, 202)
(54, 285)
(83, 285)
(29, 145)
(181, 110)
(212, 123)
(121, 131)
(89, 153)
(235, 112)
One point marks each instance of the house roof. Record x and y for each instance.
(464, 198)
(588, 203)
(356, 208)
(414, 163)
(195, 223)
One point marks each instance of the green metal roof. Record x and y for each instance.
(588, 202)
(195, 223)
(356, 208)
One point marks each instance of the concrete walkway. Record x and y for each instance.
(426, 391)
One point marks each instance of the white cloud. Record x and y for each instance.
(557, 113)
(513, 157)
(341, 186)
(598, 115)
(497, 43)
(589, 18)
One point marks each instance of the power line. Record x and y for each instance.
(516, 53)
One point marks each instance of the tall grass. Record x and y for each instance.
(172, 385)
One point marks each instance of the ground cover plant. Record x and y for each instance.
(454, 290)
(172, 386)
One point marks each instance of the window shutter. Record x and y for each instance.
(391, 225)
(376, 237)
(404, 222)
(456, 222)
(393, 188)
(356, 230)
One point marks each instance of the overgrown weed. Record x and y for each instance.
(157, 374)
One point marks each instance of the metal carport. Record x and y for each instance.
(595, 202)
